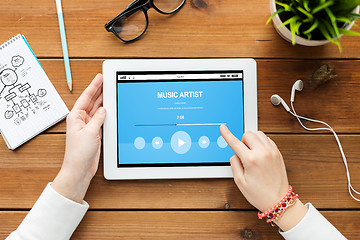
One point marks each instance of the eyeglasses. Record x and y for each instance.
(133, 22)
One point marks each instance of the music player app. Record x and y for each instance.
(174, 119)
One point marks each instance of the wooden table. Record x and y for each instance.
(190, 209)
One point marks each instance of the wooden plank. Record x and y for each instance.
(181, 225)
(332, 85)
(335, 99)
(315, 169)
(221, 30)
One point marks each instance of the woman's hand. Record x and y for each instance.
(83, 142)
(260, 174)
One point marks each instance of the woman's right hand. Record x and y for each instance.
(260, 174)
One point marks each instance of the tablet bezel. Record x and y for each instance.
(110, 67)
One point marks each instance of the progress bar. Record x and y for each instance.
(179, 124)
(199, 124)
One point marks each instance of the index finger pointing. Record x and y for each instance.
(85, 98)
(236, 145)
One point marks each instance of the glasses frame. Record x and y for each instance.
(137, 5)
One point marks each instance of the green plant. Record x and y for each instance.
(317, 19)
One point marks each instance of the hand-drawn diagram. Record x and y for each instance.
(17, 61)
(21, 101)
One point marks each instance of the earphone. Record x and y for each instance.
(298, 86)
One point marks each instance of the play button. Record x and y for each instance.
(181, 142)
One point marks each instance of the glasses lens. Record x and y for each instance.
(131, 26)
(168, 6)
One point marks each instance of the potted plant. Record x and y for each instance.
(314, 22)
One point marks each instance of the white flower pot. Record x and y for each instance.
(285, 33)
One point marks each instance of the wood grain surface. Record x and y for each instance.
(315, 169)
(332, 84)
(232, 28)
(181, 225)
(195, 208)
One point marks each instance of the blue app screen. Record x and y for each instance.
(177, 122)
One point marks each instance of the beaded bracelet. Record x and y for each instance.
(278, 210)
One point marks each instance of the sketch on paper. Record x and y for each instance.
(21, 99)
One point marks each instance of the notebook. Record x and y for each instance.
(29, 103)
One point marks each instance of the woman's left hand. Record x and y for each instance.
(83, 143)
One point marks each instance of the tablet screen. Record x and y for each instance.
(173, 118)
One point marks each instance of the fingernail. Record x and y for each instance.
(101, 110)
(99, 75)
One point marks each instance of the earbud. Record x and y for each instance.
(276, 100)
(298, 86)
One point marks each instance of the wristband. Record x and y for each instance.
(278, 210)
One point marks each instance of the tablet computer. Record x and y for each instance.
(163, 116)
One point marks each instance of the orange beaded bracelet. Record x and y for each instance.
(278, 210)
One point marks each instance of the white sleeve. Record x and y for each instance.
(313, 226)
(52, 217)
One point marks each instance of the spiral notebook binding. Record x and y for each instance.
(10, 41)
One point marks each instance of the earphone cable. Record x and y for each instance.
(298, 117)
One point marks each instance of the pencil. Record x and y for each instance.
(64, 44)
